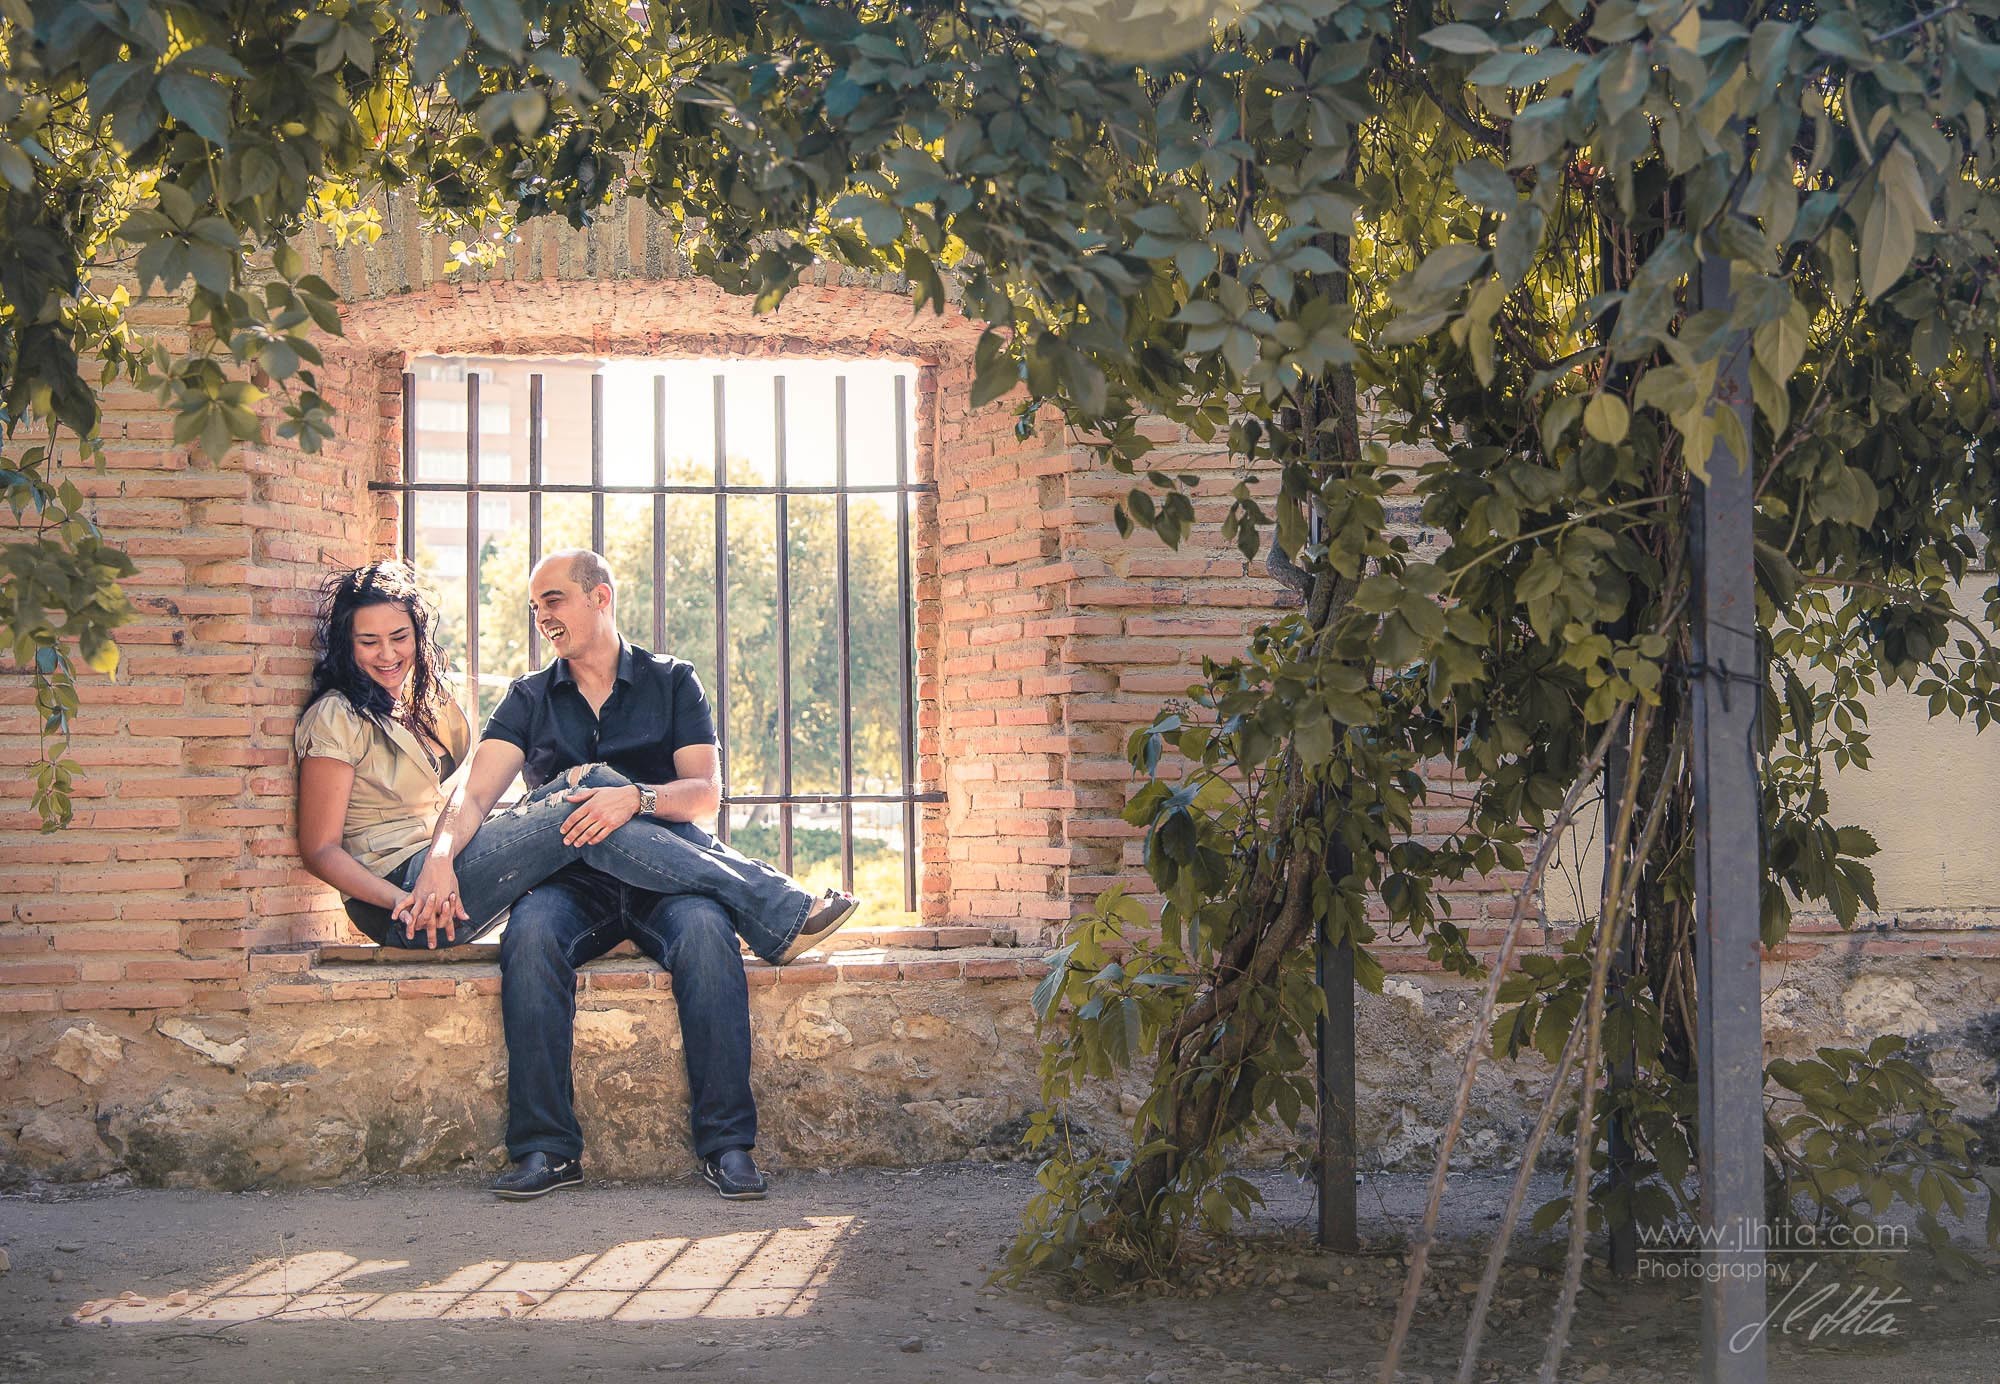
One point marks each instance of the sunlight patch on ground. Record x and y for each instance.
(743, 1274)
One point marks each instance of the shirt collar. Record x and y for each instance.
(627, 663)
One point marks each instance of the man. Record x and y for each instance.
(601, 699)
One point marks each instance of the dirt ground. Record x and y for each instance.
(856, 1275)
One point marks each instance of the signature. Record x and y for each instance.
(1863, 1312)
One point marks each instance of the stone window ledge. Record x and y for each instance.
(308, 977)
(847, 940)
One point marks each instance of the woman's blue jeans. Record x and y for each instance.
(518, 847)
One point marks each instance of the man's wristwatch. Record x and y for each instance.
(649, 801)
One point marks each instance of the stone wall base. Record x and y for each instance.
(409, 1076)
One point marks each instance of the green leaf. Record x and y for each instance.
(1487, 185)
(1889, 231)
(200, 103)
(500, 22)
(16, 168)
(441, 44)
(1461, 38)
(1607, 419)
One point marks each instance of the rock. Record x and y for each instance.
(911, 1345)
(70, 1246)
(607, 1030)
(67, 1142)
(88, 1052)
(5, 1262)
(55, 1275)
(199, 1034)
(1882, 1004)
(810, 1030)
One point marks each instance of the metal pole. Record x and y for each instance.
(1339, 1215)
(1726, 688)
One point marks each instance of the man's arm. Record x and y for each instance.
(434, 900)
(696, 794)
(697, 791)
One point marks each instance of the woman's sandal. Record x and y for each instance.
(828, 915)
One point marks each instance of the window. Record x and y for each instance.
(758, 517)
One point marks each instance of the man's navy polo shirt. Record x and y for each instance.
(656, 707)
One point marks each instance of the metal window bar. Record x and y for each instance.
(906, 617)
(841, 633)
(407, 488)
(781, 526)
(597, 463)
(659, 514)
(534, 505)
(722, 607)
(472, 547)
(408, 470)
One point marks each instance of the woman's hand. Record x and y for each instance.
(434, 903)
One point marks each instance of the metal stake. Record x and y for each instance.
(1727, 689)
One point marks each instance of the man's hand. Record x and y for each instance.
(433, 903)
(599, 812)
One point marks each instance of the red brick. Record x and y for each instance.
(360, 990)
(992, 968)
(140, 788)
(932, 969)
(162, 996)
(217, 968)
(425, 987)
(291, 994)
(37, 972)
(27, 1001)
(188, 725)
(123, 879)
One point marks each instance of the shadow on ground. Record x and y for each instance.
(868, 1274)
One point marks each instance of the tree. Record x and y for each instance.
(875, 647)
(1488, 227)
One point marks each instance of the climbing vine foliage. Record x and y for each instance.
(1572, 255)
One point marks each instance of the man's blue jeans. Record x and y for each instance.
(580, 914)
(518, 847)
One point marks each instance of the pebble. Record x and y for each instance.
(55, 1275)
(70, 1246)
(912, 1345)
(5, 1262)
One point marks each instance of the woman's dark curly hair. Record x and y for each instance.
(334, 670)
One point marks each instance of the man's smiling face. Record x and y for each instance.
(573, 620)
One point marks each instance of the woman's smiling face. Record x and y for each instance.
(385, 644)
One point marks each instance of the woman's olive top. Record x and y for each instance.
(397, 791)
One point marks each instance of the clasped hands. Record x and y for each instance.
(432, 904)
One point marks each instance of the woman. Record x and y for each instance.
(379, 740)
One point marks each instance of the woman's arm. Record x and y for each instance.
(324, 785)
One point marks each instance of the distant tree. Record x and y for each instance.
(754, 726)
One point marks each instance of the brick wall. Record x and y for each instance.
(1043, 638)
